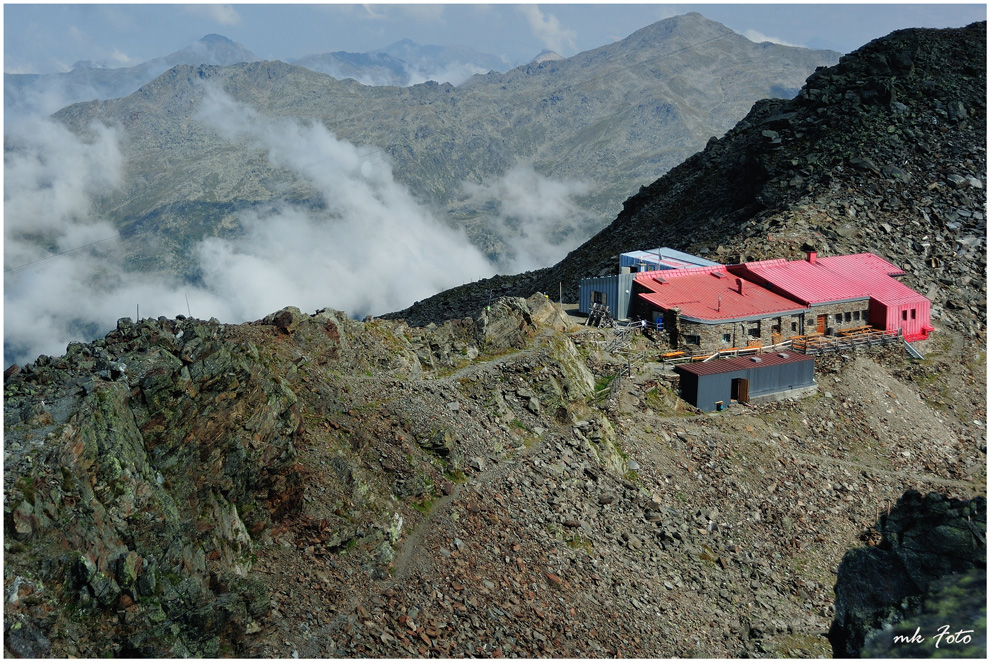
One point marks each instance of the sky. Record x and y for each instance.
(49, 38)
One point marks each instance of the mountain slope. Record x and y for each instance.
(612, 118)
(885, 152)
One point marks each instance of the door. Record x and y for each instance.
(821, 324)
(740, 390)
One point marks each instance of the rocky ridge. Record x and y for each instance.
(884, 152)
(316, 486)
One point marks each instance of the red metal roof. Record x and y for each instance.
(832, 279)
(719, 366)
(874, 275)
(711, 294)
(863, 261)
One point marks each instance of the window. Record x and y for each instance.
(849, 317)
(913, 316)
(692, 340)
(793, 326)
(754, 331)
(904, 315)
(838, 318)
(727, 338)
(598, 297)
(856, 315)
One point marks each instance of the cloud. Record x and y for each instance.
(371, 11)
(538, 217)
(366, 246)
(63, 277)
(120, 57)
(370, 249)
(758, 37)
(50, 176)
(548, 30)
(222, 14)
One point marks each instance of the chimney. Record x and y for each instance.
(812, 257)
(739, 283)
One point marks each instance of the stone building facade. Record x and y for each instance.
(706, 336)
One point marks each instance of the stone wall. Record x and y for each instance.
(856, 313)
(695, 336)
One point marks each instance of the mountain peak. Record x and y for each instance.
(214, 38)
(546, 56)
(402, 43)
(212, 49)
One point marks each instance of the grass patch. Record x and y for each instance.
(579, 542)
(604, 382)
(424, 505)
(456, 476)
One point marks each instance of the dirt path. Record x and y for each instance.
(406, 558)
(923, 477)
(413, 541)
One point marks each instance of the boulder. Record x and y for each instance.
(925, 540)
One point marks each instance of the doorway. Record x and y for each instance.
(740, 390)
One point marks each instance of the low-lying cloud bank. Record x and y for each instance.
(371, 248)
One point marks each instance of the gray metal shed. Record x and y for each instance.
(715, 385)
(613, 291)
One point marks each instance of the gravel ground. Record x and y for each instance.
(630, 527)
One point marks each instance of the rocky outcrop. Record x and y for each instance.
(884, 152)
(139, 471)
(932, 550)
(144, 471)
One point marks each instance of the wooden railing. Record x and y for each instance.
(813, 343)
(847, 340)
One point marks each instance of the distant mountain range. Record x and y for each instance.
(403, 63)
(612, 118)
(46, 93)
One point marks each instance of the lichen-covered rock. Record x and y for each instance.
(154, 438)
(951, 622)
(925, 539)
